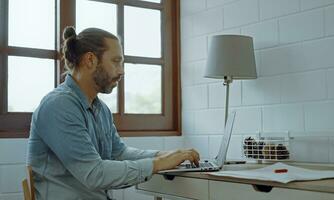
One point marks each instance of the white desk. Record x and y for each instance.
(199, 185)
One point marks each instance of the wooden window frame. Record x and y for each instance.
(17, 125)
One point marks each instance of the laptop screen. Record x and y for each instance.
(220, 159)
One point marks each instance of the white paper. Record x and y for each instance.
(268, 174)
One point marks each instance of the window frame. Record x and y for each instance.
(17, 125)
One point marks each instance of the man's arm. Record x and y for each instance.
(161, 153)
(121, 151)
(162, 159)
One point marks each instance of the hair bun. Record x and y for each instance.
(69, 31)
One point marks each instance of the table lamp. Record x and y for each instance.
(230, 57)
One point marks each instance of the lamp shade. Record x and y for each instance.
(231, 56)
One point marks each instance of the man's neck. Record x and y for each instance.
(86, 86)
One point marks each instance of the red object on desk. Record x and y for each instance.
(281, 170)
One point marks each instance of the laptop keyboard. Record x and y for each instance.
(201, 165)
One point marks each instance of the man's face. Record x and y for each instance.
(110, 69)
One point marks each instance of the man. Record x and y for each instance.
(74, 148)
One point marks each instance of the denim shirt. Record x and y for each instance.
(75, 151)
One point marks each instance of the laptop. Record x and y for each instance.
(218, 162)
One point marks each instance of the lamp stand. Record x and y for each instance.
(227, 81)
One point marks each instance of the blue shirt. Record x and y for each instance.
(75, 151)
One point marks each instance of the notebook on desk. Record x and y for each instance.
(218, 162)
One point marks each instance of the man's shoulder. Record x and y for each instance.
(58, 104)
(60, 99)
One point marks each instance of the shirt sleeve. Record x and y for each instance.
(61, 125)
(122, 152)
(131, 153)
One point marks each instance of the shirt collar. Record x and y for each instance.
(70, 82)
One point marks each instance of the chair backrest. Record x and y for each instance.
(28, 185)
(26, 192)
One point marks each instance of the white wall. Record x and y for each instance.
(294, 42)
(12, 168)
(294, 50)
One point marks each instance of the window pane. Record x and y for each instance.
(29, 80)
(31, 23)
(96, 14)
(142, 94)
(110, 100)
(142, 40)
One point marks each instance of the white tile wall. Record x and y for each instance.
(273, 8)
(317, 54)
(214, 3)
(304, 26)
(319, 116)
(196, 97)
(331, 150)
(330, 83)
(145, 142)
(11, 178)
(281, 60)
(329, 18)
(194, 48)
(299, 57)
(248, 120)
(265, 34)
(13, 151)
(187, 27)
(264, 90)
(308, 4)
(12, 167)
(188, 122)
(217, 94)
(241, 13)
(190, 7)
(214, 16)
(209, 121)
(283, 118)
(306, 86)
(310, 149)
(172, 143)
(11, 196)
(187, 74)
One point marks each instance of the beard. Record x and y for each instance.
(103, 82)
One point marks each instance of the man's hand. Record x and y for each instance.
(169, 160)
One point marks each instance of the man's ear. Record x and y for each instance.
(90, 60)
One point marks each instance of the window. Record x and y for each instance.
(147, 100)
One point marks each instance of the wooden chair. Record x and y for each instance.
(28, 185)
